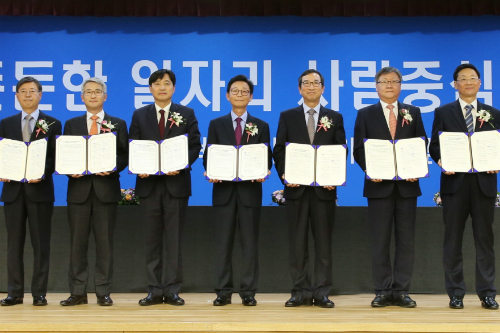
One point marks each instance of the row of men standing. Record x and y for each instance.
(392, 204)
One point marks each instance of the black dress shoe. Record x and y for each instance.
(381, 300)
(456, 302)
(323, 302)
(9, 300)
(489, 303)
(151, 300)
(39, 301)
(249, 301)
(298, 301)
(222, 300)
(404, 301)
(75, 300)
(173, 299)
(104, 300)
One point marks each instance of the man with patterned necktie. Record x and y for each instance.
(465, 194)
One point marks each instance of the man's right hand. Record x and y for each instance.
(290, 185)
(447, 172)
(76, 176)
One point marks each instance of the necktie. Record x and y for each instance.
(161, 124)
(311, 125)
(237, 131)
(392, 120)
(468, 118)
(93, 127)
(27, 129)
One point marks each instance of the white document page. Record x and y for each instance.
(35, 164)
(299, 164)
(222, 162)
(380, 163)
(455, 152)
(102, 153)
(71, 155)
(143, 157)
(331, 165)
(174, 154)
(411, 158)
(252, 162)
(13, 159)
(485, 150)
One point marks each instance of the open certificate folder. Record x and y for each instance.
(470, 152)
(158, 157)
(396, 159)
(315, 165)
(85, 155)
(237, 163)
(22, 161)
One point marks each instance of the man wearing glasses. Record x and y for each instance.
(307, 205)
(237, 204)
(33, 200)
(92, 200)
(465, 194)
(391, 204)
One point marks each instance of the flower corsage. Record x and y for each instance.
(485, 117)
(325, 123)
(42, 126)
(107, 126)
(251, 129)
(407, 118)
(176, 119)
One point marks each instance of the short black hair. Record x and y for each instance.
(160, 74)
(464, 66)
(309, 71)
(240, 78)
(28, 79)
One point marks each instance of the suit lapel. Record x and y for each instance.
(153, 120)
(301, 122)
(227, 123)
(245, 139)
(380, 121)
(456, 110)
(399, 120)
(17, 127)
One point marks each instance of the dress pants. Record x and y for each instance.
(309, 209)
(385, 214)
(100, 217)
(39, 215)
(163, 218)
(227, 217)
(469, 200)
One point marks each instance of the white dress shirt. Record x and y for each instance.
(100, 118)
(474, 110)
(166, 109)
(386, 111)
(242, 123)
(34, 118)
(315, 115)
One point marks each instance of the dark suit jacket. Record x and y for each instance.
(107, 188)
(220, 131)
(371, 124)
(292, 127)
(449, 118)
(10, 128)
(144, 126)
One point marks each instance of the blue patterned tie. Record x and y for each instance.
(468, 118)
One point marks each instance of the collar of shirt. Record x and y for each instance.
(100, 118)
(386, 110)
(316, 114)
(474, 110)
(166, 109)
(243, 117)
(34, 116)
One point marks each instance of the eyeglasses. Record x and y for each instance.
(469, 80)
(385, 83)
(93, 92)
(28, 92)
(237, 91)
(308, 83)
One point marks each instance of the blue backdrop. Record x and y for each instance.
(205, 53)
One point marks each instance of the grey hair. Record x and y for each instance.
(96, 80)
(387, 70)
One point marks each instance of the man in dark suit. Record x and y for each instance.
(93, 199)
(164, 199)
(306, 205)
(33, 200)
(391, 204)
(237, 203)
(465, 194)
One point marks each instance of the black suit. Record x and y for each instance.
(34, 202)
(389, 202)
(164, 199)
(92, 203)
(237, 204)
(306, 203)
(465, 194)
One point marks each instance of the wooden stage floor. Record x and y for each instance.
(351, 314)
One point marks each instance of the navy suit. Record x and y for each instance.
(34, 202)
(465, 194)
(92, 204)
(308, 205)
(164, 199)
(389, 202)
(237, 204)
